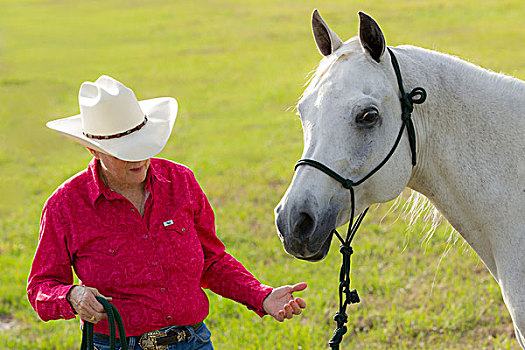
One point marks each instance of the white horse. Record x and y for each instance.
(470, 155)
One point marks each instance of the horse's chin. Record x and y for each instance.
(321, 254)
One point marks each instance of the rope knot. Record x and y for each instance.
(418, 95)
(344, 285)
(337, 337)
(408, 106)
(346, 250)
(341, 318)
(347, 183)
(352, 296)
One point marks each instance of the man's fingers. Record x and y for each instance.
(93, 317)
(300, 302)
(84, 307)
(87, 306)
(94, 303)
(98, 294)
(288, 311)
(295, 307)
(299, 287)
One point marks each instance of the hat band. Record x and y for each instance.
(120, 134)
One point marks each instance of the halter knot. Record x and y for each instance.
(353, 296)
(344, 285)
(341, 318)
(346, 250)
(418, 91)
(417, 96)
(408, 106)
(347, 184)
(337, 337)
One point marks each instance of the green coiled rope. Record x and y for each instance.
(113, 317)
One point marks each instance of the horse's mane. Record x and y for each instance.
(502, 83)
(416, 206)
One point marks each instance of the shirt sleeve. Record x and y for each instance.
(222, 273)
(51, 276)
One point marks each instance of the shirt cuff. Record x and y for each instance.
(65, 308)
(263, 293)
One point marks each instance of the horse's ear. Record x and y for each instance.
(371, 36)
(327, 41)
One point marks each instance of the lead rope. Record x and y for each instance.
(346, 295)
(113, 317)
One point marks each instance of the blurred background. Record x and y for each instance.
(237, 69)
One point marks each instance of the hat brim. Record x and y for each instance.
(139, 145)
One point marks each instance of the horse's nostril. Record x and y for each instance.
(304, 225)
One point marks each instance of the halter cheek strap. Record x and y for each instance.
(417, 96)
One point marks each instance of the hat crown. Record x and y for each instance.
(107, 107)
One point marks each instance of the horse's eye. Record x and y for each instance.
(368, 117)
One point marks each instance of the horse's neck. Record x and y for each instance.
(471, 149)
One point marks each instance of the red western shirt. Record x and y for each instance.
(154, 266)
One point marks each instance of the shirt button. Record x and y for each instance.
(111, 250)
(132, 210)
(168, 317)
(163, 289)
(145, 236)
(183, 229)
(154, 264)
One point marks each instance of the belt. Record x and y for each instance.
(159, 339)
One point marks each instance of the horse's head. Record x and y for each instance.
(350, 114)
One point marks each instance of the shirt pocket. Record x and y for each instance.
(184, 244)
(180, 226)
(104, 262)
(111, 246)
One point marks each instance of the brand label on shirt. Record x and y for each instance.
(167, 223)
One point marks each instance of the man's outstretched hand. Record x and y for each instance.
(281, 304)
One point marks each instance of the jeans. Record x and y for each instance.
(198, 340)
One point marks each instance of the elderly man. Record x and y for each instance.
(138, 231)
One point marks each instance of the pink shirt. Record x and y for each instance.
(153, 266)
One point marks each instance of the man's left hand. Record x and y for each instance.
(281, 304)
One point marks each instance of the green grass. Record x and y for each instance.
(236, 67)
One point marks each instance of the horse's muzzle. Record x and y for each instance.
(303, 235)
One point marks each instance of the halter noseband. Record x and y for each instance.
(417, 96)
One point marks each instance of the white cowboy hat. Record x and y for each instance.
(112, 121)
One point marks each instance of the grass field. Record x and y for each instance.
(235, 68)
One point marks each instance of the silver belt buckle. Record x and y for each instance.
(148, 341)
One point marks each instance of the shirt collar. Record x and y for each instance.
(97, 187)
(155, 172)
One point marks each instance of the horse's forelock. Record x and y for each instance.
(350, 48)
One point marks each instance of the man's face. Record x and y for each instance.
(120, 173)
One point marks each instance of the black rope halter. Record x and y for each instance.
(347, 296)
